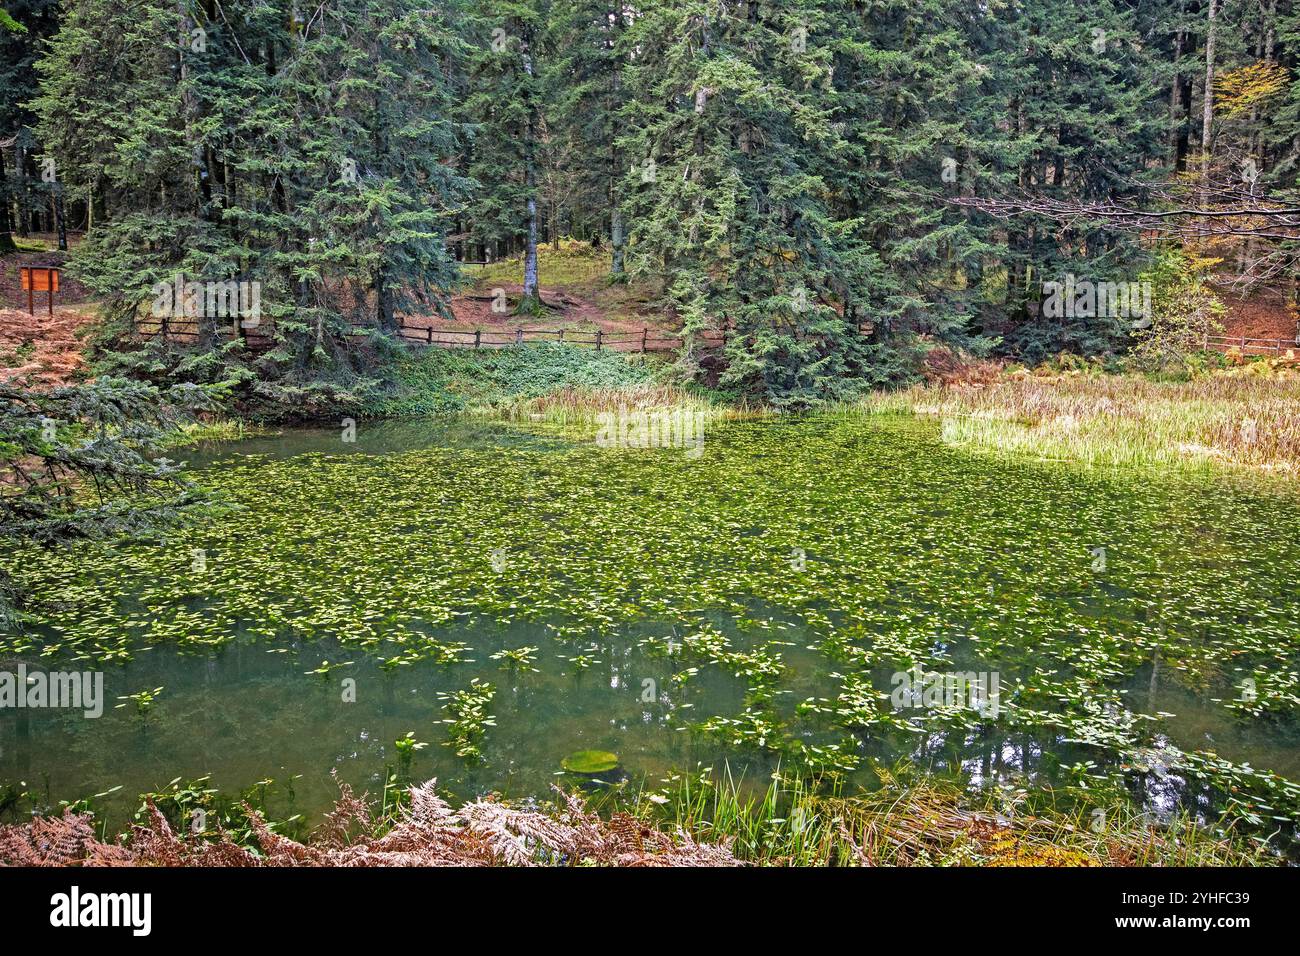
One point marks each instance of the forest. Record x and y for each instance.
(801, 433)
(819, 179)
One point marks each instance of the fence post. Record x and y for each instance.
(645, 331)
(428, 334)
(478, 337)
(598, 340)
(561, 335)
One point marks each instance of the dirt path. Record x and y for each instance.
(616, 310)
(41, 350)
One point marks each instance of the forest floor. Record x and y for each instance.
(574, 283)
(46, 351)
(41, 348)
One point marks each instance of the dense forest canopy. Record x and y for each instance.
(807, 175)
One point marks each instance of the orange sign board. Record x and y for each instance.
(36, 279)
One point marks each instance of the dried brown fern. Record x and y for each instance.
(429, 832)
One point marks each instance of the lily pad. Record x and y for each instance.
(590, 761)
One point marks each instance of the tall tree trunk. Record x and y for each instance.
(384, 313)
(60, 221)
(616, 266)
(1183, 146)
(22, 221)
(530, 301)
(1175, 90)
(616, 237)
(6, 229)
(1207, 114)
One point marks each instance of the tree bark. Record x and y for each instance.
(1207, 114)
(1175, 91)
(616, 237)
(616, 266)
(22, 222)
(60, 221)
(530, 300)
(6, 228)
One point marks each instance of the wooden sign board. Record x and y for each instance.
(37, 279)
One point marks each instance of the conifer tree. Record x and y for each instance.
(311, 153)
(505, 106)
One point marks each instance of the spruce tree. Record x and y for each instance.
(505, 106)
(309, 152)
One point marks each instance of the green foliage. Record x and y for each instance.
(407, 747)
(443, 380)
(143, 700)
(310, 159)
(1184, 310)
(78, 459)
(81, 461)
(784, 171)
(9, 23)
(467, 718)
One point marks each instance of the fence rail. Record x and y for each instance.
(261, 338)
(189, 332)
(647, 340)
(1247, 345)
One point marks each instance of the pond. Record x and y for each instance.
(513, 593)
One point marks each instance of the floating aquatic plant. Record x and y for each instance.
(773, 585)
(143, 700)
(406, 748)
(590, 761)
(468, 719)
(518, 657)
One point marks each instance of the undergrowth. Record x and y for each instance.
(705, 820)
(436, 381)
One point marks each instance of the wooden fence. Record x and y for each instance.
(187, 331)
(646, 340)
(1249, 346)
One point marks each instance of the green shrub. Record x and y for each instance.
(436, 381)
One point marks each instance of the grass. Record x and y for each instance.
(577, 269)
(574, 263)
(1225, 420)
(189, 434)
(928, 821)
(583, 407)
(702, 822)
(461, 380)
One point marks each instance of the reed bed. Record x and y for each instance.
(583, 406)
(1213, 421)
(188, 434)
(700, 822)
(928, 822)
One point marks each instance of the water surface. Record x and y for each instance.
(750, 604)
